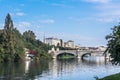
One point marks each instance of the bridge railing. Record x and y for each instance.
(82, 50)
(67, 50)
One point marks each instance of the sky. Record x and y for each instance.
(86, 22)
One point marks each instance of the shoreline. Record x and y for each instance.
(111, 77)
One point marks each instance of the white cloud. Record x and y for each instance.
(106, 13)
(42, 1)
(47, 21)
(97, 1)
(108, 6)
(24, 24)
(17, 10)
(59, 5)
(106, 20)
(20, 14)
(74, 18)
(17, 13)
(109, 12)
(83, 20)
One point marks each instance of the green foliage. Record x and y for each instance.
(36, 45)
(1, 54)
(114, 44)
(29, 35)
(112, 77)
(13, 43)
(66, 56)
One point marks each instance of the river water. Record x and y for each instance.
(72, 69)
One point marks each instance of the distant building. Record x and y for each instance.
(77, 47)
(61, 43)
(70, 44)
(58, 42)
(93, 48)
(53, 41)
(84, 48)
(102, 48)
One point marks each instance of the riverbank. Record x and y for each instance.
(112, 77)
(66, 56)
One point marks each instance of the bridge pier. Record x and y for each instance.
(78, 57)
(54, 57)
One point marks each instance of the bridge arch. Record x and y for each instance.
(66, 55)
(77, 53)
(82, 56)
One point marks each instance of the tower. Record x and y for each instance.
(44, 40)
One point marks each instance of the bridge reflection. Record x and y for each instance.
(62, 67)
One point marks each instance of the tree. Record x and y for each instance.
(19, 45)
(114, 44)
(11, 41)
(29, 35)
(9, 38)
(8, 22)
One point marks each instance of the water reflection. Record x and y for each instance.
(22, 71)
(73, 69)
(61, 67)
(27, 65)
(94, 60)
(76, 69)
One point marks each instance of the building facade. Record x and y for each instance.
(59, 42)
(52, 41)
(70, 44)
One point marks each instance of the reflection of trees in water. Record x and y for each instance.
(16, 71)
(37, 68)
(10, 71)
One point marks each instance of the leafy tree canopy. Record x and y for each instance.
(13, 43)
(114, 44)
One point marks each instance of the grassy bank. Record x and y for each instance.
(112, 77)
(66, 56)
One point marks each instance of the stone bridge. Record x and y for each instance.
(77, 53)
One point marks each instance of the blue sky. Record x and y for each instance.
(87, 22)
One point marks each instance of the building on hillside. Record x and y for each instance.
(53, 41)
(93, 48)
(77, 47)
(70, 44)
(84, 48)
(61, 43)
(102, 48)
(58, 42)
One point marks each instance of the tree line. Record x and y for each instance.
(13, 43)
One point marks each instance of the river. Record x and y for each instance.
(72, 69)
